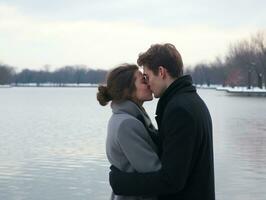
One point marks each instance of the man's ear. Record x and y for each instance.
(162, 72)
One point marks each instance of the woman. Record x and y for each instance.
(131, 137)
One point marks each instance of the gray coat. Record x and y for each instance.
(129, 146)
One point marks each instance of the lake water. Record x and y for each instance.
(52, 144)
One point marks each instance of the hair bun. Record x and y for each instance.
(103, 96)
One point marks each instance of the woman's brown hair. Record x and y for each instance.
(120, 84)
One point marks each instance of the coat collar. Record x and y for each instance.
(180, 85)
(127, 106)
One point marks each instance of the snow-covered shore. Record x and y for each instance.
(244, 91)
(49, 85)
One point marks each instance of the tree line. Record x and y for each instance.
(243, 65)
(61, 76)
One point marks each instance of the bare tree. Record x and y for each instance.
(6, 73)
(243, 55)
(259, 46)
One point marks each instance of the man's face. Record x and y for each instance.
(156, 82)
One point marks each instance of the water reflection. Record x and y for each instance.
(53, 144)
(55, 178)
(240, 145)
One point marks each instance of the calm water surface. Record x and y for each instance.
(52, 144)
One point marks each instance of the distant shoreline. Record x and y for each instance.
(239, 91)
(51, 85)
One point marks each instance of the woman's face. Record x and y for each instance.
(143, 92)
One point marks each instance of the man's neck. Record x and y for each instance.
(169, 81)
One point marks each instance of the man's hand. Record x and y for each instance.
(131, 183)
(114, 169)
(114, 175)
(121, 181)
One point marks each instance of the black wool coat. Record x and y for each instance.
(185, 149)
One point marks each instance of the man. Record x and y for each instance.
(185, 135)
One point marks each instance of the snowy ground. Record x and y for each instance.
(253, 91)
(49, 85)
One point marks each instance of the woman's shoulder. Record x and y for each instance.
(121, 118)
(126, 122)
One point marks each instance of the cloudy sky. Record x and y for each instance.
(104, 33)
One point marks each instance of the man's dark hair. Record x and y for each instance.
(165, 55)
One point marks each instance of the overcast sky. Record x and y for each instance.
(104, 33)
